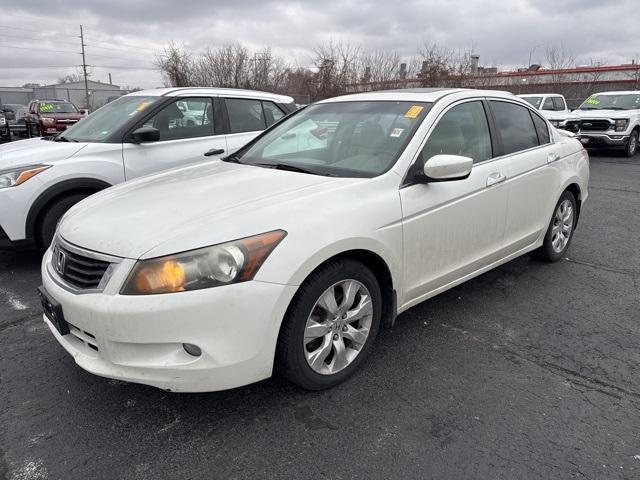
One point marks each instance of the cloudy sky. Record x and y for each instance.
(39, 44)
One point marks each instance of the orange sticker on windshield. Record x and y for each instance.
(414, 111)
(142, 106)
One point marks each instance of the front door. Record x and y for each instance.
(453, 228)
(186, 132)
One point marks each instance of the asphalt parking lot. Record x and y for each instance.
(529, 371)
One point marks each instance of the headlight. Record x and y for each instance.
(621, 125)
(3, 121)
(48, 120)
(16, 176)
(223, 264)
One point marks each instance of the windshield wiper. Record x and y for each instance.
(231, 159)
(64, 139)
(290, 168)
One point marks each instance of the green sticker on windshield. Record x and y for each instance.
(46, 107)
(593, 101)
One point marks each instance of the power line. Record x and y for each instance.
(49, 40)
(38, 31)
(131, 52)
(39, 49)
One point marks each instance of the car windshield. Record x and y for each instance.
(57, 107)
(106, 120)
(534, 101)
(343, 139)
(627, 101)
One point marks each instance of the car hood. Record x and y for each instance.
(35, 150)
(605, 113)
(188, 208)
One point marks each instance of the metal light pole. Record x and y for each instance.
(531, 54)
(84, 70)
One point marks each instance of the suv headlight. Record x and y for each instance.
(17, 176)
(223, 264)
(3, 121)
(621, 125)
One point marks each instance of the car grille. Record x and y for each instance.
(85, 337)
(79, 271)
(595, 125)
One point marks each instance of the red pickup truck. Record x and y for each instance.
(49, 117)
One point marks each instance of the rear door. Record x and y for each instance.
(531, 181)
(247, 117)
(187, 130)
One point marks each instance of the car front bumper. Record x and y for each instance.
(603, 139)
(140, 338)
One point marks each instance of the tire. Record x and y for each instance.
(632, 145)
(553, 247)
(294, 355)
(49, 219)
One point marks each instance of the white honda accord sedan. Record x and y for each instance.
(291, 254)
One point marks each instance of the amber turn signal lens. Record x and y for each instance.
(27, 174)
(159, 277)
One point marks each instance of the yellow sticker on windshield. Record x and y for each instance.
(46, 107)
(142, 106)
(414, 111)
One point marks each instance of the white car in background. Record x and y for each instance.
(552, 105)
(137, 134)
(609, 120)
(293, 251)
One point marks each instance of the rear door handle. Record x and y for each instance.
(495, 178)
(214, 151)
(553, 157)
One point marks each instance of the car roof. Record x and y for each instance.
(540, 95)
(418, 95)
(227, 92)
(621, 92)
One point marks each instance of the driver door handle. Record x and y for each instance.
(214, 151)
(495, 178)
(553, 157)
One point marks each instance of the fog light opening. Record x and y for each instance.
(191, 349)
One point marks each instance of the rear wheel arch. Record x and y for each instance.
(56, 192)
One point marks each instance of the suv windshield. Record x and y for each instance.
(106, 120)
(628, 101)
(346, 139)
(57, 107)
(534, 101)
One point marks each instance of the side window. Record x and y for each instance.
(515, 125)
(548, 104)
(542, 129)
(271, 113)
(463, 130)
(245, 115)
(184, 118)
(559, 104)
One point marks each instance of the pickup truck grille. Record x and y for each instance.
(587, 125)
(77, 270)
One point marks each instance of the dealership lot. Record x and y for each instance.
(529, 371)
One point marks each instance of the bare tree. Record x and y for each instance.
(77, 76)
(176, 66)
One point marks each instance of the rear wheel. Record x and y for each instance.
(330, 325)
(560, 230)
(49, 219)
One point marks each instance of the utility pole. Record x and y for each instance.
(84, 70)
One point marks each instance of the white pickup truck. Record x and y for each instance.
(607, 120)
(552, 106)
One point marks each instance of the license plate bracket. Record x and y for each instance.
(53, 311)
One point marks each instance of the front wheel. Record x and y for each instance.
(632, 145)
(50, 218)
(560, 230)
(330, 325)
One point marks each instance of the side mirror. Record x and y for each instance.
(83, 111)
(444, 168)
(145, 134)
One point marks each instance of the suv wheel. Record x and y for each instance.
(632, 145)
(46, 229)
(330, 326)
(560, 231)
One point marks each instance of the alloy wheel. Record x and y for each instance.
(562, 226)
(338, 327)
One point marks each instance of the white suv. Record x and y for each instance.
(609, 119)
(552, 105)
(138, 134)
